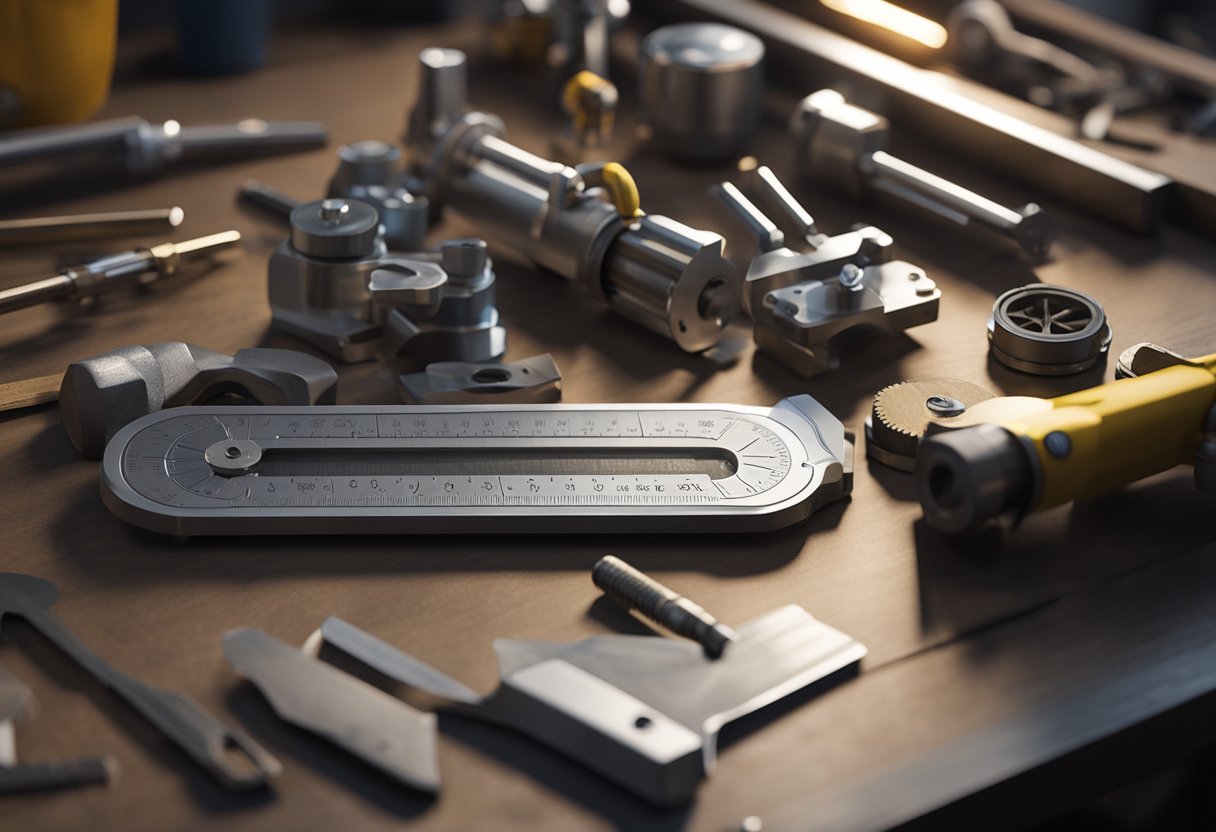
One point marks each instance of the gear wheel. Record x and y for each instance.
(902, 412)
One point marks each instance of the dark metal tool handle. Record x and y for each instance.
(271, 200)
(45, 142)
(57, 774)
(638, 591)
(249, 137)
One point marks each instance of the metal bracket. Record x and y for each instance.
(527, 381)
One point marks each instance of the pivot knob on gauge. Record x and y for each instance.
(233, 457)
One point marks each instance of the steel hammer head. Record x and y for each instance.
(100, 395)
(833, 138)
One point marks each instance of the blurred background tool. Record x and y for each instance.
(137, 267)
(16, 700)
(962, 117)
(141, 147)
(700, 88)
(843, 145)
(1020, 459)
(37, 230)
(56, 59)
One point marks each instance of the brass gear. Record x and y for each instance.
(903, 412)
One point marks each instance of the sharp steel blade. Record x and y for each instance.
(395, 664)
(642, 711)
(367, 722)
(633, 694)
(201, 736)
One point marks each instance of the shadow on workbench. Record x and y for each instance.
(244, 559)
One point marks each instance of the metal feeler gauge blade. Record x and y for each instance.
(480, 469)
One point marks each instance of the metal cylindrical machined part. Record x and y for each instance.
(700, 88)
(638, 591)
(335, 228)
(1048, 330)
(670, 278)
(442, 93)
(369, 162)
(673, 280)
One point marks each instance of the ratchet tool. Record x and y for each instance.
(1021, 454)
(476, 469)
(137, 267)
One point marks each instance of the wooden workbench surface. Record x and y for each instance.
(1101, 611)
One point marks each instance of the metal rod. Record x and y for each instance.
(31, 230)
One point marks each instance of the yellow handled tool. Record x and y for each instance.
(1029, 455)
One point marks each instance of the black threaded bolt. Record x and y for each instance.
(637, 591)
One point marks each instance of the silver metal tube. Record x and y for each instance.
(897, 177)
(51, 289)
(30, 230)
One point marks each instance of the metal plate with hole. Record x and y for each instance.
(499, 468)
(1048, 330)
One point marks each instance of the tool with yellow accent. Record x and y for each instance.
(1036, 454)
(589, 101)
(583, 223)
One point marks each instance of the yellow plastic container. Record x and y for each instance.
(58, 56)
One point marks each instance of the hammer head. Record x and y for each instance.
(833, 139)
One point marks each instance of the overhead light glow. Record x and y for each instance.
(894, 19)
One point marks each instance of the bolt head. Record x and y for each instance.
(333, 211)
(465, 258)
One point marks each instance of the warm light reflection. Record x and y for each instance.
(893, 18)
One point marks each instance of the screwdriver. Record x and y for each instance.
(137, 267)
(638, 591)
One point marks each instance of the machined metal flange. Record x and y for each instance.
(1048, 330)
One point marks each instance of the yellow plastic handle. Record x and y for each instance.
(58, 56)
(622, 190)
